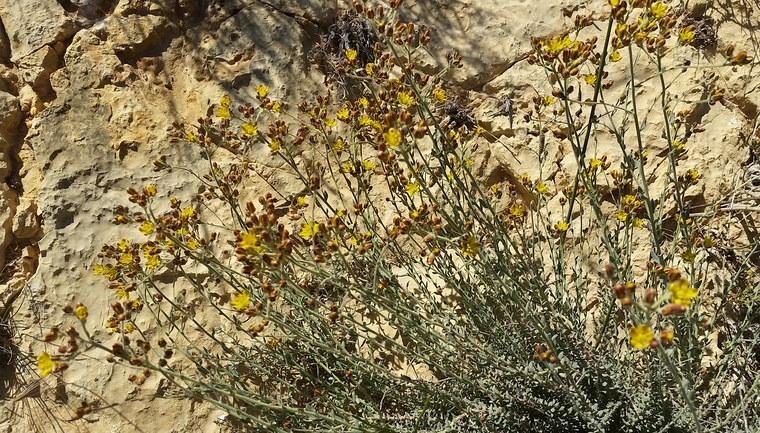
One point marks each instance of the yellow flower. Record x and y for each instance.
(276, 107)
(392, 137)
(708, 242)
(45, 363)
(452, 135)
(187, 212)
(347, 167)
(153, 261)
(688, 256)
(223, 112)
(339, 146)
(658, 10)
(330, 123)
(225, 101)
(615, 56)
(364, 102)
(638, 223)
(686, 34)
(412, 188)
(191, 136)
(365, 120)
(691, 175)
(342, 114)
(309, 229)
(351, 55)
(261, 91)
(405, 99)
(126, 259)
(666, 336)
(123, 245)
(525, 179)
(622, 215)
(595, 163)
(134, 304)
(130, 328)
(470, 247)
(241, 301)
(561, 227)
(590, 79)
(629, 201)
(121, 293)
(439, 95)
(107, 271)
(558, 43)
(681, 293)
(541, 188)
(368, 165)
(641, 336)
(250, 241)
(548, 100)
(249, 129)
(275, 145)
(301, 201)
(620, 29)
(517, 210)
(370, 68)
(613, 3)
(147, 228)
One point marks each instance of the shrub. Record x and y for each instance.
(398, 293)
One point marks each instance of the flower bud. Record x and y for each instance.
(619, 290)
(649, 296)
(672, 309)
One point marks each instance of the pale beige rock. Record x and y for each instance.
(245, 51)
(491, 36)
(25, 222)
(144, 7)
(30, 101)
(7, 210)
(32, 24)
(320, 12)
(90, 63)
(9, 79)
(10, 116)
(135, 34)
(36, 68)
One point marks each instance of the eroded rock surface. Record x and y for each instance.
(90, 88)
(32, 24)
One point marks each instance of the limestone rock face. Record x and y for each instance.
(320, 12)
(32, 24)
(489, 35)
(135, 34)
(90, 63)
(10, 118)
(26, 223)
